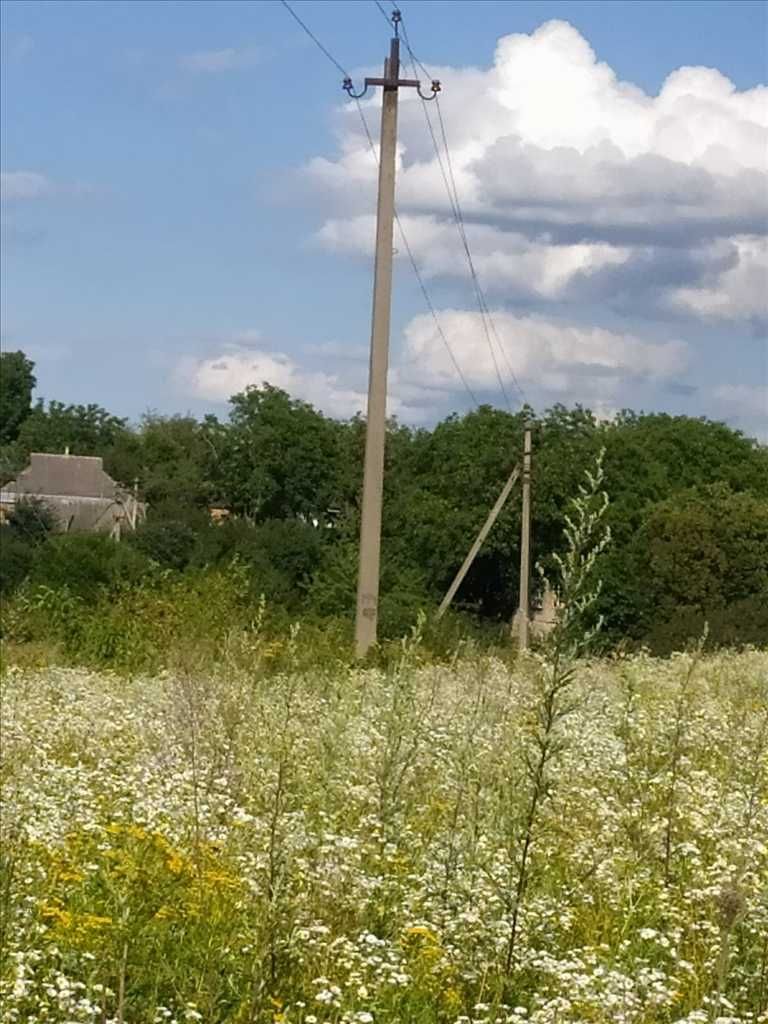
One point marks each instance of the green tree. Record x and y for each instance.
(651, 457)
(278, 458)
(699, 556)
(84, 429)
(443, 485)
(280, 557)
(173, 458)
(566, 443)
(17, 382)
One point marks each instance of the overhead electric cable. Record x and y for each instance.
(449, 180)
(313, 37)
(414, 265)
(453, 197)
(470, 260)
(383, 13)
(453, 200)
(417, 272)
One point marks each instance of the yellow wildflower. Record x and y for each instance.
(94, 921)
(56, 915)
(70, 875)
(175, 863)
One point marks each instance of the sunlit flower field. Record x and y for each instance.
(363, 846)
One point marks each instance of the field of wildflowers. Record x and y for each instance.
(421, 843)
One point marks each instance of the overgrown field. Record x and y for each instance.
(388, 845)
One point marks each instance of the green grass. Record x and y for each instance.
(332, 844)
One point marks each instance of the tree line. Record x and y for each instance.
(688, 508)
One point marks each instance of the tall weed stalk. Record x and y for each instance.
(587, 535)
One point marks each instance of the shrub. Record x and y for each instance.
(133, 626)
(16, 557)
(403, 592)
(86, 563)
(280, 555)
(743, 623)
(31, 520)
(169, 543)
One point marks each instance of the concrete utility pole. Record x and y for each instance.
(376, 425)
(525, 546)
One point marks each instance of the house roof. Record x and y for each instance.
(80, 476)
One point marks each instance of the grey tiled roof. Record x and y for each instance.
(79, 476)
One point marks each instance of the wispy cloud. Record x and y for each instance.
(215, 61)
(20, 186)
(24, 185)
(744, 406)
(752, 400)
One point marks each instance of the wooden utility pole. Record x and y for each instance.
(486, 529)
(524, 609)
(376, 424)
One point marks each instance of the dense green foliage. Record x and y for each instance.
(688, 513)
(17, 382)
(26, 528)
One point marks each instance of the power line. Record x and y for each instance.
(473, 271)
(414, 58)
(485, 317)
(449, 180)
(408, 249)
(383, 13)
(417, 273)
(313, 37)
(453, 197)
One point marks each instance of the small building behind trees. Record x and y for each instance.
(77, 490)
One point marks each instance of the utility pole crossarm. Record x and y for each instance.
(389, 83)
(391, 80)
(366, 618)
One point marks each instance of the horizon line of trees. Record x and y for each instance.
(688, 512)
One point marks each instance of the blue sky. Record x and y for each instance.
(188, 204)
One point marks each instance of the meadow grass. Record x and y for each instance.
(411, 843)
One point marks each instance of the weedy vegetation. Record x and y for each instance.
(252, 839)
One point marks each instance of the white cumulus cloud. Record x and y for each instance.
(560, 358)
(218, 377)
(553, 360)
(570, 179)
(739, 289)
(503, 259)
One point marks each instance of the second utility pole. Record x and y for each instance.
(376, 424)
(525, 544)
